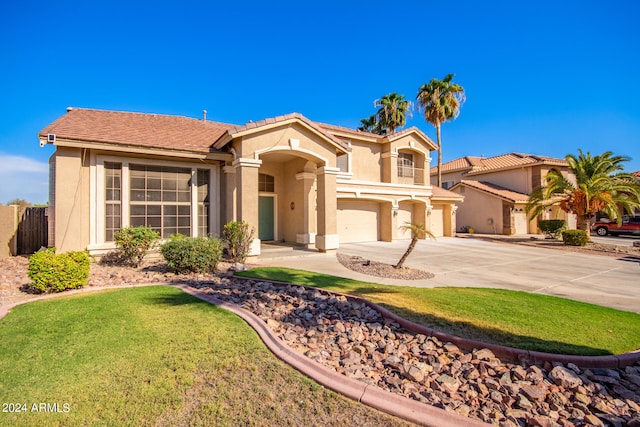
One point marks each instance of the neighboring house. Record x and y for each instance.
(496, 191)
(293, 179)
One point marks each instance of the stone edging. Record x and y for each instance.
(373, 396)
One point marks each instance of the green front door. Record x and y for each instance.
(265, 218)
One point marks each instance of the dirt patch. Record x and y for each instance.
(379, 269)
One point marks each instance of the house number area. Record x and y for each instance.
(15, 407)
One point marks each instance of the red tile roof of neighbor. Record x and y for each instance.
(441, 193)
(479, 165)
(496, 190)
(137, 129)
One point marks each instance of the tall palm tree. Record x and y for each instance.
(393, 112)
(600, 186)
(370, 125)
(417, 231)
(440, 101)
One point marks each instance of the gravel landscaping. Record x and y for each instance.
(356, 341)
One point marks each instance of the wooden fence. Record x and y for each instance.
(32, 230)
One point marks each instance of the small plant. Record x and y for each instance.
(192, 254)
(552, 228)
(133, 243)
(417, 231)
(51, 272)
(575, 237)
(237, 239)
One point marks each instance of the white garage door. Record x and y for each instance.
(405, 215)
(520, 222)
(358, 221)
(436, 221)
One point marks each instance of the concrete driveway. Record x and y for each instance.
(468, 262)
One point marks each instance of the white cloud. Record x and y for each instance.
(23, 178)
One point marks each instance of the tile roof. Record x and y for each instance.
(441, 193)
(478, 165)
(496, 190)
(636, 174)
(136, 129)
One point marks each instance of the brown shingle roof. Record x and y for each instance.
(496, 190)
(479, 165)
(136, 129)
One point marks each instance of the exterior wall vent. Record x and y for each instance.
(51, 138)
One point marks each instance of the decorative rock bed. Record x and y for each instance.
(353, 339)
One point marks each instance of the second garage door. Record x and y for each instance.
(358, 221)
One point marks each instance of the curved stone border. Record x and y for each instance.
(512, 354)
(373, 396)
(394, 404)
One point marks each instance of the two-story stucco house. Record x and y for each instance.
(293, 179)
(496, 191)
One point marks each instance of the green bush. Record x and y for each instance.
(551, 227)
(237, 239)
(575, 237)
(51, 272)
(133, 243)
(192, 254)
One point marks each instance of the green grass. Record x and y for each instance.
(154, 356)
(511, 318)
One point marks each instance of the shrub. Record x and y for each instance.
(133, 243)
(192, 254)
(551, 227)
(237, 239)
(51, 272)
(575, 237)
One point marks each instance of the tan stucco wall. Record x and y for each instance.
(477, 209)
(292, 138)
(72, 199)
(515, 179)
(366, 162)
(452, 176)
(8, 228)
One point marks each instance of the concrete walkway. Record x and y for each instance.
(469, 262)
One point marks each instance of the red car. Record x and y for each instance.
(629, 225)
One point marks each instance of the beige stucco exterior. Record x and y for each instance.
(312, 199)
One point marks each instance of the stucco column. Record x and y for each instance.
(308, 235)
(389, 166)
(327, 237)
(229, 197)
(247, 196)
(388, 221)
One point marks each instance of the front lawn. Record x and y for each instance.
(511, 318)
(153, 356)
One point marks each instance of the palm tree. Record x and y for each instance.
(600, 186)
(370, 125)
(440, 101)
(417, 232)
(393, 112)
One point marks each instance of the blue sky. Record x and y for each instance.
(544, 77)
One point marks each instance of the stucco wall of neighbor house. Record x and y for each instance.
(477, 209)
(451, 176)
(9, 219)
(366, 164)
(72, 199)
(518, 180)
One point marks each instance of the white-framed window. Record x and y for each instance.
(447, 184)
(170, 197)
(405, 165)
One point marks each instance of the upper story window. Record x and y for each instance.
(342, 162)
(405, 165)
(266, 183)
(447, 184)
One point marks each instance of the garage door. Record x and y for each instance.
(405, 215)
(358, 221)
(436, 221)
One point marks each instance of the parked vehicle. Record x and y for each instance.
(629, 225)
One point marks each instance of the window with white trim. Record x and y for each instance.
(405, 165)
(171, 200)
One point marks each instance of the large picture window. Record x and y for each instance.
(171, 200)
(113, 205)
